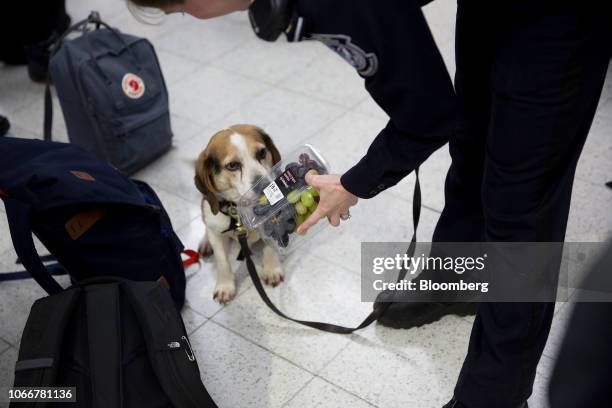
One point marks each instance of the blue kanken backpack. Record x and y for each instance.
(112, 93)
(94, 220)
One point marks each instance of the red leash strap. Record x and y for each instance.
(193, 257)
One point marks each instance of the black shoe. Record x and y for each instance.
(13, 56)
(407, 309)
(38, 58)
(5, 125)
(405, 315)
(456, 404)
(38, 54)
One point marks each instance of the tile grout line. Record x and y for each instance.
(347, 391)
(198, 328)
(291, 398)
(327, 125)
(317, 375)
(293, 363)
(272, 83)
(423, 205)
(206, 63)
(343, 109)
(6, 344)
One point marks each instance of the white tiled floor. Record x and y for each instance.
(218, 74)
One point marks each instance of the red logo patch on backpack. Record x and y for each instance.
(133, 86)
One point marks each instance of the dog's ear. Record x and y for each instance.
(206, 166)
(270, 146)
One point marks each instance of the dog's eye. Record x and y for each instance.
(233, 166)
(261, 154)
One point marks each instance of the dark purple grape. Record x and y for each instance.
(304, 158)
(292, 166)
(301, 172)
(314, 165)
(261, 209)
(280, 225)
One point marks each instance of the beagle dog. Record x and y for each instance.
(231, 164)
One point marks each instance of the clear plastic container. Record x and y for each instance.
(278, 203)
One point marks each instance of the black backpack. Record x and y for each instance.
(108, 342)
(93, 219)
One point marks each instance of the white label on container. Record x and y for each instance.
(273, 193)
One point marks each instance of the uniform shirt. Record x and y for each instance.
(390, 45)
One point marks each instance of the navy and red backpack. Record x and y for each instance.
(94, 220)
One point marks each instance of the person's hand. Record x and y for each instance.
(334, 201)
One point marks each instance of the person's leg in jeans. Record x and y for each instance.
(549, 69)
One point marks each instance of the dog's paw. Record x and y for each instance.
(271, 275)
(224, 292)
(205, 249)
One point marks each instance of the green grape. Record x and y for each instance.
(263, 200)
(300, 219)
(312, 209)
(300, 208)
(307, 199)
(313, 191)
(293, 197)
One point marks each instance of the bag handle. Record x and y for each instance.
(328, 327)
(18, 215)
(94, 17)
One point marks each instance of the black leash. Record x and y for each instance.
(328, 327)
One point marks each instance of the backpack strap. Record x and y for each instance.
(53, 268)
(48, 112)
(42, 338)
(94, 18)
(168, 347)
(328, 327)
(18, 215)
(104, 334)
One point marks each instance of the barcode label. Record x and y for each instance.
(273, 193)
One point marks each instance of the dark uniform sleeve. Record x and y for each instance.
(390, 45)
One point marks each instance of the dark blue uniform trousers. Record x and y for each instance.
(528, 81)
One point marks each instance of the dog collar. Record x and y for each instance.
(230, 209)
